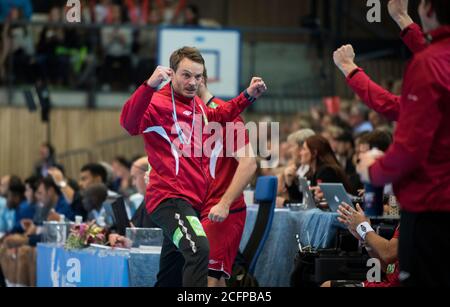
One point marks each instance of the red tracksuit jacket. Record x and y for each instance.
(225, 167)
(173, 175)
(418, 162)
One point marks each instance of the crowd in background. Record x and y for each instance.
(115, 56)
(320, 145)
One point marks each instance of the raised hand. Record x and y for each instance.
(160, 75)
(398, 10)
(257, 87)
(344, 58)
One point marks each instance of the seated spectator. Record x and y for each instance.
(23, 5)
(296, 169)
(345, 148)
(140, 170)
(377, 247)
(324, 167)
(90, 174)
(380, 140)
(50, 195)
(17, 201)
(46, 160)
(95, 204)
(7, 215)
(31, 185)
(121, 170)
(359, 119)
(141, 218)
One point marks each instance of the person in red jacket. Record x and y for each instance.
(376, 246)
(418, 162)
(179, 181)
(223, 216)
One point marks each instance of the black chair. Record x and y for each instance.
(265, 196)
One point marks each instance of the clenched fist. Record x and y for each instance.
(344, 58)
(160, 75)
(257, 87)
(398, 10)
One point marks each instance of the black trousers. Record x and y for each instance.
(184, 239)
(424, 249)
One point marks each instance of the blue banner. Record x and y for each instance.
(91, 267)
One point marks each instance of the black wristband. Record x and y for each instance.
(250, 98)
(354, 72)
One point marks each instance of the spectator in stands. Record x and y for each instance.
(331, 132)
(47, 160)
(380, 140)
(324, 167)
(377, 120)
(377, 247)
(145, 47)
(191, 16)
(171, 11)
(53, 63)
(345, 149)
(31, 185)
(6, 6)
(20, 244)
(140, 177)
(49, 194)
(96, 203)
(90, 174)
(296, 169)
(138, 11)
(359, 119)
(16, 201)
(7, 215)
(121, 170)
(18, 48)
(116, 44)
(102, 11)
(139, 168)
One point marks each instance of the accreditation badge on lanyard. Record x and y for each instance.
(177, 126)
(205, 118)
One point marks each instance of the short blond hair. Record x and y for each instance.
(300, 136)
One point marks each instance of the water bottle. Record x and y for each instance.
(373, 199)
(61, 230)
(78, 220)
(101, 221)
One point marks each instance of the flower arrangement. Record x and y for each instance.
(83, 235)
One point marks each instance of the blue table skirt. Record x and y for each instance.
(276, 261)
(93, 267)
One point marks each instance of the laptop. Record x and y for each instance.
(308, 197)
(335, 194)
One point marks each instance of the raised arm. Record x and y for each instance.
(373, 95)
(411, 33)
(227, 112)
(135, 107)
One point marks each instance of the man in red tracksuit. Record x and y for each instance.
(180, 177)
(418, 162)
(223, 216)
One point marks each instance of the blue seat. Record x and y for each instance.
(265, 196)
